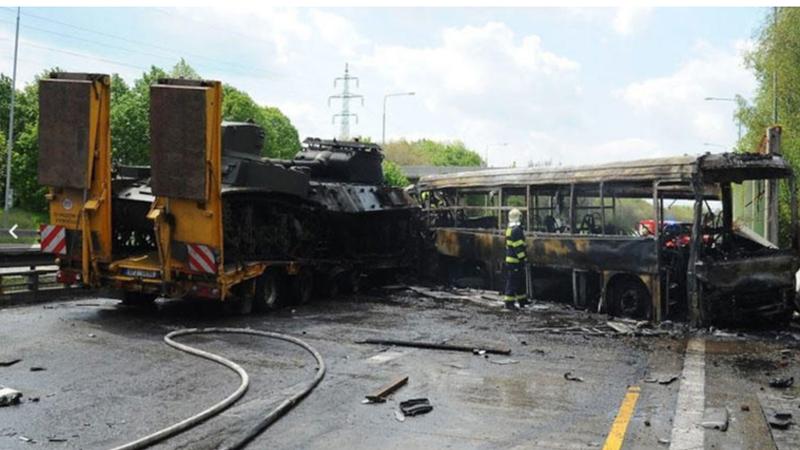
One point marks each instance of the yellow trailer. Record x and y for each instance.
(74, 162)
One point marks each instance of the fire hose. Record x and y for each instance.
(215, 409)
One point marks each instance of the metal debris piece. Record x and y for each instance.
(664, 379)
(37, 369)
(781, 383)
(379, 395)
(745, 408)
(415, 406)
(399, 416)
(715, 419)
(91, 335)
(664, 441)
(780, 420)
(26, 439)
(503, 361)
(56, 439)
(620, 327)
(569, 376)
(437, 346)
(9, 363)
(9, 396)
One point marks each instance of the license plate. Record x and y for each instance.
(140, 273)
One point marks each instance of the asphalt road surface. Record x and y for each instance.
(108, 378)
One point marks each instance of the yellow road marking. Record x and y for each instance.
(617, 434)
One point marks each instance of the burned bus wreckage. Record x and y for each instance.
(586, 246)
(210, 218)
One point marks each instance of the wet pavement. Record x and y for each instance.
(108, 378)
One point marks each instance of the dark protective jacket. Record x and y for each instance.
(515, 246)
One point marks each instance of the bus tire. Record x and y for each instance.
(629, 297)
(268, 291)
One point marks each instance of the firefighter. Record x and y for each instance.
(515, 262)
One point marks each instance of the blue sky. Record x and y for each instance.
(566, 85)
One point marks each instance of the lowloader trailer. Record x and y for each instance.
(210, 218)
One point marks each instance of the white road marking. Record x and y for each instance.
(687, 433)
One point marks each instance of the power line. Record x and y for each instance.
(345, 96)
(179, 53)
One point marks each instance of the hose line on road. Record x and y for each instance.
(263, 423)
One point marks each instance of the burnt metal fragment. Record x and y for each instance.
(781, 382)
(416, 406)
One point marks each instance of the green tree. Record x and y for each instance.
(430, 152)
(183, 70)
(281, 139)
(777, 51)
(130, 118)
(392, 175)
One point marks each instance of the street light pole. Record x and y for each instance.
(385, 97)
(10, 143)
(727, 99)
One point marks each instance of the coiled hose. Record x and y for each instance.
(263, 423)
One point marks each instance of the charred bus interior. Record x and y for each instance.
(651, 239)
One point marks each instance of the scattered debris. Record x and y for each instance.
(662, 379)
(416, 406)
(745, 408)
(780, 420)
(384, 356)
(56, 439)
(26, 439)
(399, 416)
(664, 441)
(715, 419)
(437, 346)
(503, 361)
(620, 327)
(647, 422)
(37, 369)
(478, 352)
(91, 335)
(9, 363)
(379, 396)
(9, 396)
(781, 383)
(569, 376)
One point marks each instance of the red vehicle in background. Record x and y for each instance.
(675, 234)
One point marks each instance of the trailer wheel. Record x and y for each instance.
(303, 286)
(138, 299)
(629, 297)
(268, 291)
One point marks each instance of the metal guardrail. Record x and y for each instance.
(28, 281)
(33, 274)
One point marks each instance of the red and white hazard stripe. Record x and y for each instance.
(53, 239)
(201, 258)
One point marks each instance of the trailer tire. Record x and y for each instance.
(138, 299)
(303, 286)
(268, 291)
(628, 297)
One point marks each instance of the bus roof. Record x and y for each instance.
(717, 167)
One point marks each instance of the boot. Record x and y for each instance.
(524, 303)
(511, 305)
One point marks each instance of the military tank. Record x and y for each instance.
(329, 204)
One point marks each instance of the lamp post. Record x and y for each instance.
(486, 153)
(385, 97)
(727, 99)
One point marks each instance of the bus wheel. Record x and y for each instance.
(303, 286)
(268, 291)
(629, 297)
